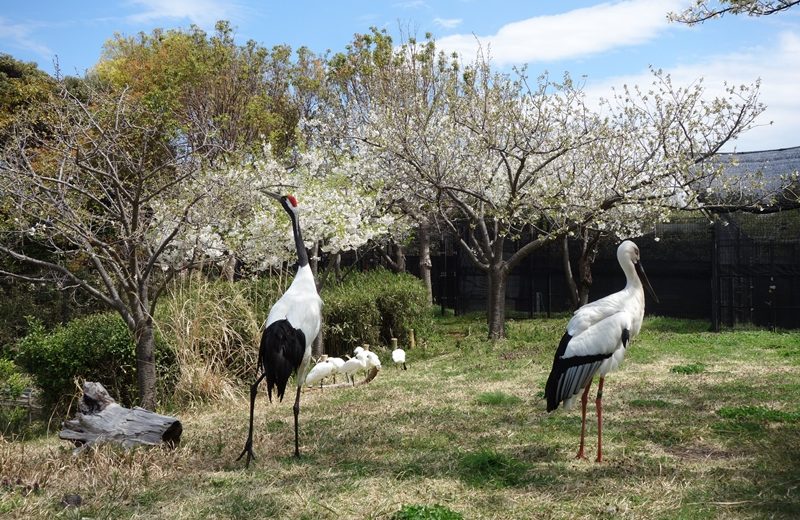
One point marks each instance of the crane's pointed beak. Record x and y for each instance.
(273, 195)
(645, 281)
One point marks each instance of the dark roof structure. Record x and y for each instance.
(773, 164)
(764, 176)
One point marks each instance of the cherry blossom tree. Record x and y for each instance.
(702, 10)
(507, 157)
(87, 191)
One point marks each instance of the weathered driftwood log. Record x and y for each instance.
(100, 419)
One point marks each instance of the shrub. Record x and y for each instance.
(13, 384)
(96, 348)
(374, 307)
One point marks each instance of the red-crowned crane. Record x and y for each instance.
(595, 342)
(291, 326)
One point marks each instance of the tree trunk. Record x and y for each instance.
(585, 276)
(425, 259)
(572, 287)
(229, 268)
(587, 257)
(145, 362)
(399, 258)
(498, 277)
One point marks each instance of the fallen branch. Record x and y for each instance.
(100, 419)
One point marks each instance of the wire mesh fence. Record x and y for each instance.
(743, 268)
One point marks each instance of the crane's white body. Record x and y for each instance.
(301, 306)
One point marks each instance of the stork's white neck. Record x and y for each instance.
(631, 277)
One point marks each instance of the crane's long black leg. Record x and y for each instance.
(248, 445)
(296, 427)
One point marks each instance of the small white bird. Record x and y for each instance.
(399, 357)
(371, 360)
(352, 366)
(358, 350)
(595, 342)
(320, 371)
(337, 364)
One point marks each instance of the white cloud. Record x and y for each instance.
(576, 33)
(448, 23)
(776, 63)
(18, 35)
(204, 13)
(411, 4)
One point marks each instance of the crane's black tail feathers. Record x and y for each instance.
(280, 354)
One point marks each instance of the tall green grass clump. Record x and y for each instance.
(373, 307)
(214, 328)
(98, 348)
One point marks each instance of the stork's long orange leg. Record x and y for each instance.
(584, 400)
(599, 405)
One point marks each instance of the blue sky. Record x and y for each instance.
(610, 43)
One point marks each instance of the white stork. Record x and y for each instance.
(595, 342)
(291, 326)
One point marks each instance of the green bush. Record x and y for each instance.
(95, 348)
(373, 307)
(13, 383)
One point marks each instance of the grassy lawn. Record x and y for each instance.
(697, 425)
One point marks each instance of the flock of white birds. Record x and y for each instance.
(363, 360)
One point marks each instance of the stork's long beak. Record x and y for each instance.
(645, 281)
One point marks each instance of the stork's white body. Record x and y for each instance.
(596, 328)
(301, 306)
(596, 339)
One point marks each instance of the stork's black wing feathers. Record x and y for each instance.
(569, 375)
(281, 352)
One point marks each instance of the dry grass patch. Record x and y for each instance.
(466, 429)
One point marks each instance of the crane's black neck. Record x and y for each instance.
(302, 255)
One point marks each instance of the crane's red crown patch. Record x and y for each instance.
(292, 200)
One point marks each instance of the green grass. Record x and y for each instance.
(693, 368)
(423, 512)
(497, 399)
(697, 425)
